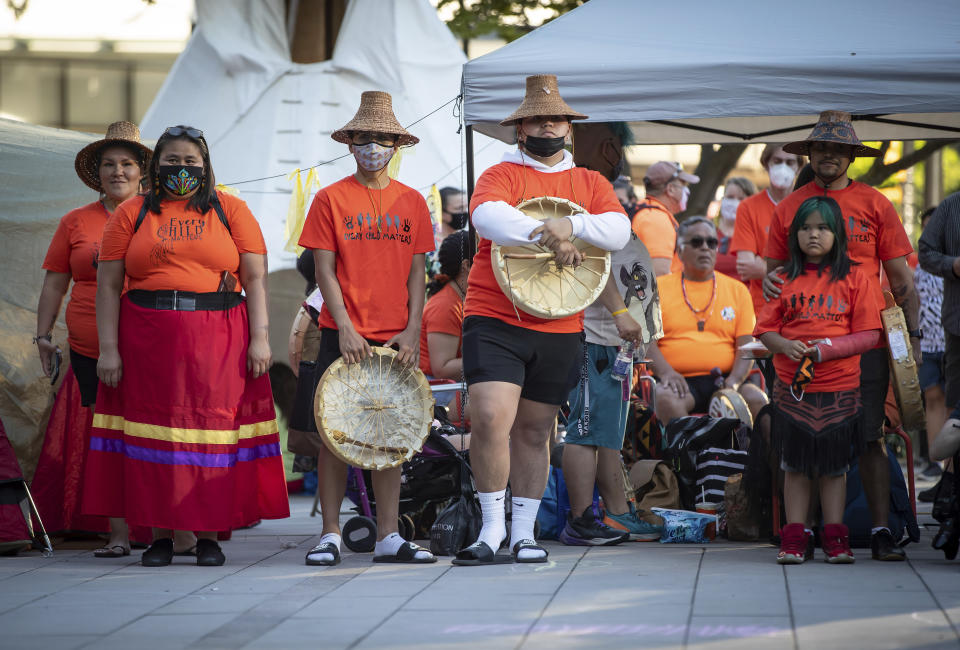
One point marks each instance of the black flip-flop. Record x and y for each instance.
(406, 554)
(326, 547)
(529, 545)
(479, 554)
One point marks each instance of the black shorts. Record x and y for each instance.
(874, 383)
(85, 370)
(541, 363)
(308, 378)
(702, 387)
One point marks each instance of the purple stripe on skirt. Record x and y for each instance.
(195, 458)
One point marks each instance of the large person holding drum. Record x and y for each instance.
(517, 364)
(369, 235)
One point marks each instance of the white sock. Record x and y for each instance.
(522, 521)
(877, 529)
(390, 544)
(494, 528)
(332, 538)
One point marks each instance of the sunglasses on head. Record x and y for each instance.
(176, 131)
(698, 242)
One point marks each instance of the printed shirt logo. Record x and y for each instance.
(377, 228)
(728, 313)
(824, 307)
(172, 231)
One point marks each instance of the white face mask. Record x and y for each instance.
(683, 198)
(728, 208)
(782, 175)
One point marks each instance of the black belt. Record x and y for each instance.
(184, 300)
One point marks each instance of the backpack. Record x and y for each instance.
(901, 519)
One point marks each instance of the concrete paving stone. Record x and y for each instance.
(177, 630)
(830, 627)
(598, 633)
(445, 600)
(38, 641)
(209, 602)
(10, 600)
(361, 588)
(80, 618)
(750, 631)
(375, 608)
(733, 600)
(304, 633)
(407, 629)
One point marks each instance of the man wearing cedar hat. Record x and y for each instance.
(876, 239)
(518, 365)
(369, 235)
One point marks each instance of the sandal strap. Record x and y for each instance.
(527, 545)
(408, 551)
(326, 547)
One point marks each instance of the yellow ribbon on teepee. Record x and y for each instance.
(297, 210)
(229, 190)
(435, 205)
(393, 167)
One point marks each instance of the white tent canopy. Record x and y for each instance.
(264, 115)
(711, 72)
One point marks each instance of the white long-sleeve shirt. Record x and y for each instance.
(502, 223)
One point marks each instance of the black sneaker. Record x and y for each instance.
(931, 472)
(885, 548)
(586, 530)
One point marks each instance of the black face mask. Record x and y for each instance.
(458, 219)
(180, 179)
(543, 147)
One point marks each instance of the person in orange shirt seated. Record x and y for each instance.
(754, 215)
(707, 316)
(441, 331)
(735, 191)
(369, 235)
(667, 187)
(518, 365)
(185, 434)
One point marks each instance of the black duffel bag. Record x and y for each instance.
(685, 437)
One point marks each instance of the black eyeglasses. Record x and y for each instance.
(176, 131)
(698, 242)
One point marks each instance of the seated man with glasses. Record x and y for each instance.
(706, 317)
(667, 187)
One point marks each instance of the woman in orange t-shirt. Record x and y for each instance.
(185, 433)
(825, 317)
(441, 332)
(113, 167)
(517, 365)
(735, 191)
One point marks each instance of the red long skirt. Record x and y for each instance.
(188, 440)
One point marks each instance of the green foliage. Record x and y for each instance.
(508, 19)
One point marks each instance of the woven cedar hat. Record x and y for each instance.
(542, 98)
(832, 126)
(122, 133)
(375, 115)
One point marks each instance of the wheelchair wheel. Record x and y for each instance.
(406, 528)
(360, 534)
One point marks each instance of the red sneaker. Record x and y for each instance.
(836, 544)
(794, 540)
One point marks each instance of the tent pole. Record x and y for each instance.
(471, 233)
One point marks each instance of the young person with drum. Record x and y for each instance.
(876, 239)
(369, 236)
(517, 365)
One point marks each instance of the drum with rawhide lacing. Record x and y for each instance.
(535, 283)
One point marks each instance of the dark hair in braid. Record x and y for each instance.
(453, 250)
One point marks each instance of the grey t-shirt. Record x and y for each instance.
(632, 269)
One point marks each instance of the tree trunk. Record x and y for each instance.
(714, 167)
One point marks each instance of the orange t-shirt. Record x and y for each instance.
(874, 231)
(374, 253)
(514, 184)
(657, 229)
(812, 307)
(179, 248)
(690, 351)
(754, 215)
(74, 250)
(442, 314)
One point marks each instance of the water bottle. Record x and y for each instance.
(623, 364)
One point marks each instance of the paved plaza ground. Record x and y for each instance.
(720, 595)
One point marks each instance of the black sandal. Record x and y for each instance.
(529, 545)
(406, 554)
(160, 553)
(209, 553)
(327, 547)
(479, 554)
